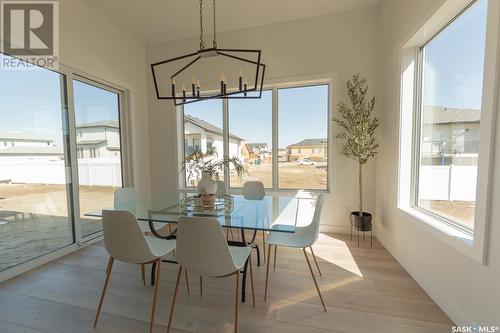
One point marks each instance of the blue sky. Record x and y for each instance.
(30, 101)
(302, 113)
(453, 72)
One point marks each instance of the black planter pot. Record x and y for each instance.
(361, 223)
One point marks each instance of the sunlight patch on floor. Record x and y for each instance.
(312, 292)
(323, 250)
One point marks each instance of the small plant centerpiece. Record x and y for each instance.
(207, 167)
(356, 133)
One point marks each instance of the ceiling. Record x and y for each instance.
(166, 20)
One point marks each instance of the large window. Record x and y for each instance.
(303, 134)
(250, 138)
(452, 65)
(35, 190)
(97, 114)
(60, 157)
(282, 138)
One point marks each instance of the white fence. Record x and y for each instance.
(91, 172)
(448, 182)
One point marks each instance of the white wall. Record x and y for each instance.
(91, 43)
(466, 290)
(344, 44)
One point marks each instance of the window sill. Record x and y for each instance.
(454, 237)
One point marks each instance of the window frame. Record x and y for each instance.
(273, 86)
(471, 243)
(418, 112)
(69, 73)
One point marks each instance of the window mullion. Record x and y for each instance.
(225, 125)
(74, 158)
(275, 172)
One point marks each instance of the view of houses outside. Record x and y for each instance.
(302, 157)
(303, 132)
(451, 112)
(34, 189)
(98, 150)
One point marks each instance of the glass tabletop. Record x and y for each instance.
(278, 213)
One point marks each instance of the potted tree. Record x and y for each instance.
(356, 133)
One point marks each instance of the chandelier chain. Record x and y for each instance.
(215, 32)
(202, 42)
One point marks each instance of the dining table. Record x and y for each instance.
(271, 213)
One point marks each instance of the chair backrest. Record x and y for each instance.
(202, 248)
(125, 197)
(253, 190)
(123, 237)
(221, 188)
(312, 230)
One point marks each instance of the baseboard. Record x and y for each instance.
(337, 229)
(436, 293)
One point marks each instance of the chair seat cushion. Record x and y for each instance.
(299, 239)
(160, 247)
(240, 255)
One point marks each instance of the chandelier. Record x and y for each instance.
(210, 73)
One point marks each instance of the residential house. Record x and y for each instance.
(314, 149)
(252, 152)
(450, 136)
(201, 136)
(14, 145)
(98, 140)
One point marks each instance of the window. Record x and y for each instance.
(452, 65)
(290, 153)
(302, 126)
(201, 121)
(97, 114)
(35, 190)
(250, 138)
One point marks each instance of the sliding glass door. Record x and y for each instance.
(35, 167)
(97, 118)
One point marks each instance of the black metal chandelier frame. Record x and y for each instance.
(196, 95)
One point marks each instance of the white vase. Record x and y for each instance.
(207, 185)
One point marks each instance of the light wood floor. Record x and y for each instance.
(365, 290)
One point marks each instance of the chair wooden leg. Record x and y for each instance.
(314, 279)
(106, 281)
(264, 244)
(237, 303)
(201, 285)
(267, 270)
(157, 286)
(187, 281)
(275, 250)
(315, 261)
(251, 278)
(107, 267)
(143, 273)
(173, 299)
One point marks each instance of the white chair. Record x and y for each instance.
(221, 188)
(254, 190)
(303, 237)
(202, 249)
(126, 198)
(125, 241)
